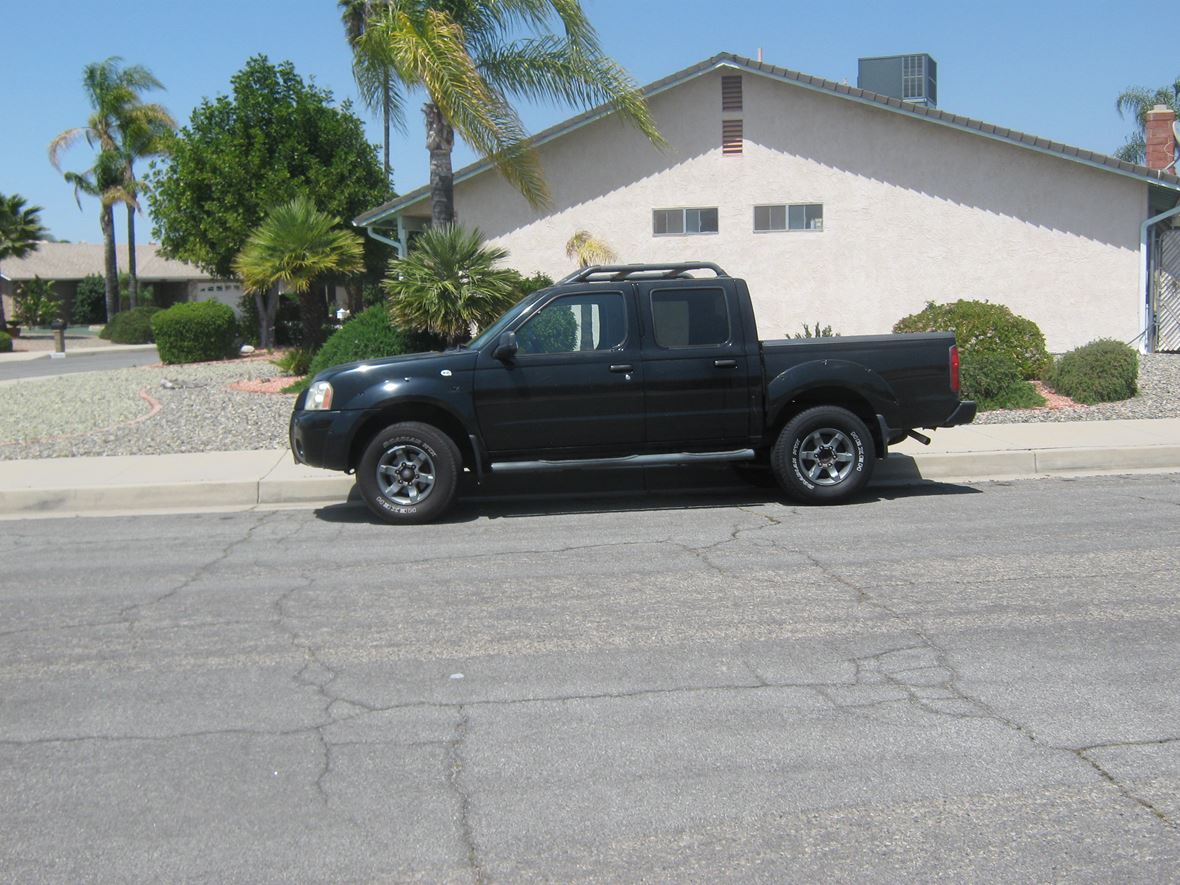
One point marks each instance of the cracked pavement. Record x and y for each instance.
(969, 682)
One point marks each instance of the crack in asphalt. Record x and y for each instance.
(455, 766)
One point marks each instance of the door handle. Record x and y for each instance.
(621, 367)
(725, 364)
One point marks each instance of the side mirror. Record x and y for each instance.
(506, 350)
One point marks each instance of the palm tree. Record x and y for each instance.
(104, 181)
(468, 58)
(21, 232)
(122, 128)
(587, 249)
(449, 283)
(296, 244)
(1137, 101)
(375, 80)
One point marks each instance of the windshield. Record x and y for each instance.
(494, 330)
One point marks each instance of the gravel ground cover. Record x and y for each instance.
(105, 413)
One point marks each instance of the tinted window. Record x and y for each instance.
(689, 317)
(574, 323)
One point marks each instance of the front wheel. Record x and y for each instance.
(824, 455)
(409, 473)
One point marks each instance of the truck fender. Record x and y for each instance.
(850, 376)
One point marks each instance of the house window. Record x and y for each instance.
(731, 137)
(669, 222)
(731, 93)
(793, 216)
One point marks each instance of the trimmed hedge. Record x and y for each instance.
(130, 326)
(5, 342)
(982, 327)
(369, 335)
(1102, 371)
(195, 332)
(993, 381)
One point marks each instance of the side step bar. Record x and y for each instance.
(679, 459)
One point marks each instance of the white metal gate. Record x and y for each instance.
(1164, 334)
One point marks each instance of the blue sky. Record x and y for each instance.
(1050, 68)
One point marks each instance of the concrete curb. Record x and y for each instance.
(237, 480)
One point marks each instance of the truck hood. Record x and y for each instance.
(352, 379)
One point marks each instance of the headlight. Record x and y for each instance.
(319, 396)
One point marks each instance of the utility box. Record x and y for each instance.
(912, 78)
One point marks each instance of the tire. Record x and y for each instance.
(824, 455)
(409, 473)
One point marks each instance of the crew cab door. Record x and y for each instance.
(575, 383)
(696, 371)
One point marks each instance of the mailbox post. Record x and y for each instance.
(59, 338)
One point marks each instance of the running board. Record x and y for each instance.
(679, 459)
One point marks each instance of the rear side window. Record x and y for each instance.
(690, 317)
(576, 323)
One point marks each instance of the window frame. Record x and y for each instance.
(786, 208)
(684, 231)
(651, 309)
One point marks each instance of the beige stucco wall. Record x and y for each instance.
(912, 212)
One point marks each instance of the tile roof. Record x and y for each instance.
(73, 261)
(729, 60)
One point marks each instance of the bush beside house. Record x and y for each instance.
(194, 332)
(982, 327)
(1102, 371)
(130, 326)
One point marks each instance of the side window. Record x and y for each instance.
(689, 317)
(576, 323)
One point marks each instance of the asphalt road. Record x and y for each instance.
(44, 366)
(965, 683)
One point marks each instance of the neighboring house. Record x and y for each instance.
(839, 206)
(68, 263)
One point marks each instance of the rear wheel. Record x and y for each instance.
(824, 455)
(409, 473)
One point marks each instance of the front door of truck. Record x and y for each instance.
(575, 383)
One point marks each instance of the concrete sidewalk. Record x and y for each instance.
(230, 480)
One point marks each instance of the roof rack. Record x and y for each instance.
(616, 272)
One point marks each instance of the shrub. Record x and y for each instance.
(1099, 372)
(194, 331)
(37, 303)
(5, 342)
(90, 306)
(817, 332)
(130, 326)
(993, 381)
(295, 361)
(368, 335)
(981, 327)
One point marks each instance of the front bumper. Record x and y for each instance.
(324, 438)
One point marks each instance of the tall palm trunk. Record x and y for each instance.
(106, 221)
(440, 141)
(132, 279)
(386, 110)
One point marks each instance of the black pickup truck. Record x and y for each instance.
(622, 365)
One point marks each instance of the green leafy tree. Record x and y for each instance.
(471, 60)
(121, 128)
(21, 232)
(1136, 101)
(375, 79)
(274, 138)
(296, 245)
(449, 283)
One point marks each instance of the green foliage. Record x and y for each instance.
(295, 361)
(1102, 371)
(288, 330)
(131, 326)
(982, 327)
(145, 294)
(20, 227)
(36, 303)
(817, 332)
(369, 335)
(194, 331)
(89, 301)
(528, 285)
(993, 381)
(448, 283)
(553, 330)
(240, 155)
(5, 342)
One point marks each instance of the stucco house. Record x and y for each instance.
(839, 206)
(67, 264)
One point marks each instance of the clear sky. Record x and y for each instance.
(1046, 67)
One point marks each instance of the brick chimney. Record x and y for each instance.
(1161, 140)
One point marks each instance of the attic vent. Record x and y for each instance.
(731, 93)
(731, 136)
